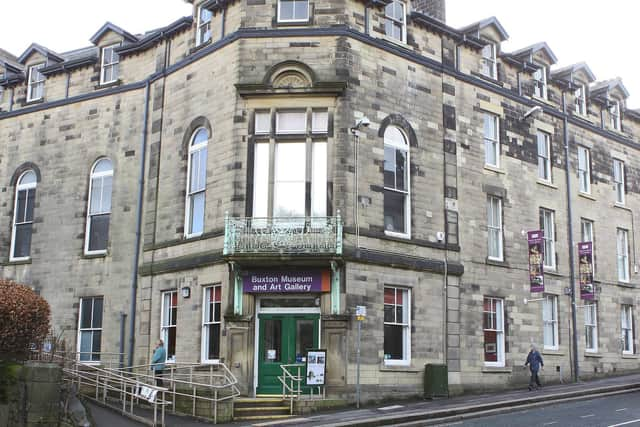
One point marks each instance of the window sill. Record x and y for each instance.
(542, 100)
(552, 271)
(108, 85)
(294, 23)
(200, 46)
(94, 255)
(593, 354)
(402, 236)
(586, 196)
(497, 263)
(546, 183)
(496, 370)
(33, 102)
(552, 352)
(494, 169)
(630, 356)
(624, 284)
(584, 117)
(399, 368)
(621, 206)
(401, 43)
(487, 78)
(22, 261)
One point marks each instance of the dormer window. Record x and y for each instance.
(110, 61)
(204, 26)
(540, 83)
(489, 62)
(614, 114)
(35, 87)
(581, 100)
(293, 10)
(395, 25)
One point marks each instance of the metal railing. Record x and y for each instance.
(292, 381)
(283, 235)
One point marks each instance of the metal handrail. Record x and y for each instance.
(292, 384)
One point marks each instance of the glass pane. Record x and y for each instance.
(320, 122)
(99, 232)
(97, 313)
(85, 345)
(171, 344)
(319, 180)
(22, 241)
(286, 10)
(216, 312)
(489, 126)
(393, 136)
(85, 313)
(304, 337)
(261, 181)
(96, 195)
(291, 122)
(107, 184)
(96, 347)
(401, 170)
(200, 137)
(389, 313)
(214, 341)
(28, 178)
(394, 211)
(490, 346)
(289, 199)
(301, 9)
(290, 162)
(21, 206)
(389, 167)
(272, 340)
(196, 221)
(262, 122)
(393, 342)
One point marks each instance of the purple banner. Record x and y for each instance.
(286, 281)
(536, 260)
(585, 270)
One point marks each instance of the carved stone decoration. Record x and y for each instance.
(291, 80)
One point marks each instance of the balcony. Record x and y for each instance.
(283, 236)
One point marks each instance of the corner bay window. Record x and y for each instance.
(23, 216)
(196, 183)
(99, 212)
(395, 25)
(168, 323)
(90, 329)
(211, 323)
(397, 330)
(550, 322)
(396, 183)
(294, 185)
(293, 10)
(493, 325)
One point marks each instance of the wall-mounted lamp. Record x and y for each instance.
(534, 110)
(186, 292)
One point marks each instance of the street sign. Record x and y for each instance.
(361, 312)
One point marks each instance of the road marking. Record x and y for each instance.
(390, 408)
(626, 423)
(550, 423)
(622, 409)
(587, 416)
(280, 422)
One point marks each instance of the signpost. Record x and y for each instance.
(316, 367)
(361, 314)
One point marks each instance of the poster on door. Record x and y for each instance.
(316, 367)
(536, 260)
(585, 270)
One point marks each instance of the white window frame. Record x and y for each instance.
(391, 143)
(91, 329)
(406, 327)
(544, 159)
(619, 181)
(553, 321)
(581, 100)
(206, 324)
(622, 252)
(395, 21)
(490, 61)
(549, 238)
(587, 235)
(495, 230)
(584, 170)
(497, 321)
(22, 187)
(591, 326)
(614, 113)
(35, 83)
(203, 29)
(294, 19)
(626, 328)
(540, 82)
(109, 65)
(197, 148)
(492, 142)
(164, 327)
(90, 215)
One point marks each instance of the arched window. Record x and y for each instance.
(196, 183)
(396, 183)
(23, 216)
(99, 211)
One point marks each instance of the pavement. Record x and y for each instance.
(436, 411)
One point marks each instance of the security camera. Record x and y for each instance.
(535, 110)
(363, 122)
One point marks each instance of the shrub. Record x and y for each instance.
(24, 320)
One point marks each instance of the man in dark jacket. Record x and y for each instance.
(534, 360)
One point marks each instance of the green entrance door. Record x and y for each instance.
(283, 340)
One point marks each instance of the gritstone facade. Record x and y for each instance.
(239, 181)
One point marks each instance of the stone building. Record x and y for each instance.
(240, 180)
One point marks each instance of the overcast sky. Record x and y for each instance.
(603, 34)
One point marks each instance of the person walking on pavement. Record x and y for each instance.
(157, 362)
(534, 360)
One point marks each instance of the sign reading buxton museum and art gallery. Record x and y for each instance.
(536, 260)
(585, 270)
(287, 281)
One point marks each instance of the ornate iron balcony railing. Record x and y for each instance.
(286, 235)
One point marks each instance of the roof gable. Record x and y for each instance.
(48, 54)
(488, 28)
(575, 73)
(539, 52)
(109, 27)
(613, 87)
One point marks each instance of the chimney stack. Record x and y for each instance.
(433, 8)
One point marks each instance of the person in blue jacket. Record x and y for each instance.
(157, 362)
(534, 360)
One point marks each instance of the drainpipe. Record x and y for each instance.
(123, 321)
(574, 343)
(136, 255)
(366, 18)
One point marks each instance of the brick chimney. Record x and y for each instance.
(433, 8)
